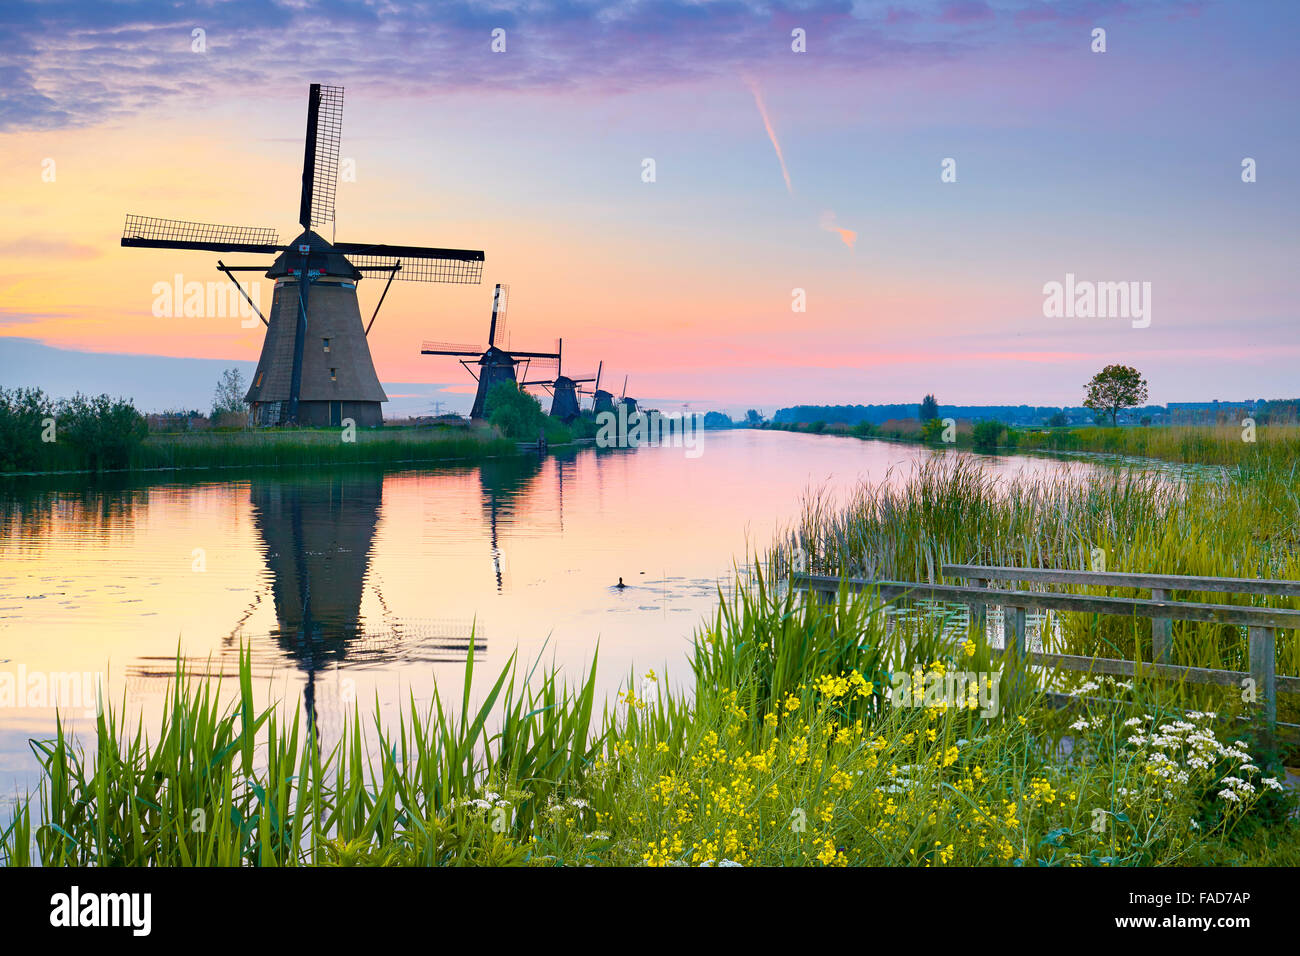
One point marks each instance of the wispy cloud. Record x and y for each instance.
(828, 223)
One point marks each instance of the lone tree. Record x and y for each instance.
(929, 409)
(229, 394)
(1113, 388)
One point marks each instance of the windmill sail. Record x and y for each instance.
(320, 162)
(418, 263)
(151, 232)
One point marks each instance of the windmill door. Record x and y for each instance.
(336, 413)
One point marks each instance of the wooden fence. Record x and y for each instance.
(1261, 623)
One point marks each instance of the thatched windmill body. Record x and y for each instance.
(315, 367)
(495, 364)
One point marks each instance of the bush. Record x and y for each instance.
(103, 431)
(932, 430)
(986, 435)
(22, 415)
(519, 415)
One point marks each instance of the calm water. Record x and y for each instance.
(365, 583)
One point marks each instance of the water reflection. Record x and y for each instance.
(366, 584)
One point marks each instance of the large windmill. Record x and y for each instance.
(315, 367)
(495, 364)
(564, 388)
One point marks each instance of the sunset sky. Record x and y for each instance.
(774, 171)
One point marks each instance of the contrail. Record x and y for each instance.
(771, 133)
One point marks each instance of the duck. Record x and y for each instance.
(620, 584)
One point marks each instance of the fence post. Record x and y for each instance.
(979, 612)
(1263, 672)
(1162, 631)
(1013, 629)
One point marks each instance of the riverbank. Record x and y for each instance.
(293, 447)
(1205, 445)
(788, 745)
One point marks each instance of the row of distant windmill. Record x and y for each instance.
(315, 367)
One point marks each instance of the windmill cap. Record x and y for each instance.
(323, 257)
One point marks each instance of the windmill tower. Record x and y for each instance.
(315, 367)
(495, 365)
(564, 389)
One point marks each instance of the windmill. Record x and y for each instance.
(495, 364)
(564, 389)
(629, 403)
(315, 367)
(601, 400)
(595, 388)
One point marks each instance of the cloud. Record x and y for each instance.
(81, 62)
(847, 235)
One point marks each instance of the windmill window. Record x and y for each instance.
(334, 375)
(327, 344)
(258, 383)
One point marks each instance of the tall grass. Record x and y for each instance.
(1191, 444)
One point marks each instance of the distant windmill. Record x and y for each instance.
(601, 400)
(495, 364)
(624, 400)
(564, 389)
(315, 367)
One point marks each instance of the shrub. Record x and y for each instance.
(103, 431)
(986, 435)
(519, 415)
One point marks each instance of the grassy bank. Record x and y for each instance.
(1198, 444)
(786, 751)
(294, 447)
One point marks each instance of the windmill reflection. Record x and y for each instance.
(505, 482)
(317, 533)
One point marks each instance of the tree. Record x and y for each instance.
(1113, 388)
(1058, 420)
(229, 394)
(929, 409)
(753, 418)
(23, 413)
